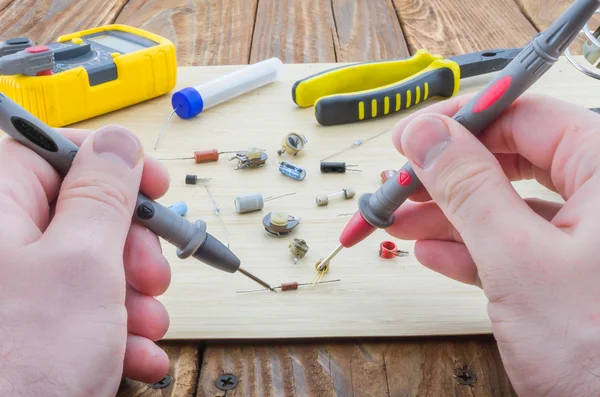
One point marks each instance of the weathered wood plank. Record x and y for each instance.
(44, 21)
(368, 30)
(457, 27)
(400, 368)
(183, 371)
(205, 32)
(295, 31)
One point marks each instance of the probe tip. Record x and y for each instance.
(356, 231)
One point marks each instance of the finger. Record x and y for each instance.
(146, 269)
(95, 205)
(518, 168)
(448, 258)
(146, 316)
(144, 360)
(420, 195)
(426, 221)
(468, 184)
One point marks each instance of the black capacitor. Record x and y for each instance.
(191, 179)
(333, 166)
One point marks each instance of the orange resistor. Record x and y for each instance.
(206, 156)
(289, 286)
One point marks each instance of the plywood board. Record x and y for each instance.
(376, 297)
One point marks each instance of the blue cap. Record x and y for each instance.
(187, 103)
(179, 208)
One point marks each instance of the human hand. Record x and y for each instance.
(537, 262)
(78, 278)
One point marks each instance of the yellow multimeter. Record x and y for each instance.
(96, 71)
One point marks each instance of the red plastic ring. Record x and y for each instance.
(388, 250)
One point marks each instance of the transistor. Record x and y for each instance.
(179, 208)
(322, 269)
(387, 174)
(293, 171)
(193, 179)
(323, 199)
(292, 144)
(205, 156)
(280, 224)
(253, 202)
(328, 167)
(293, 286)
(251, 158)
(298, 249)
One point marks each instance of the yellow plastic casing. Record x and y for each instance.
(65, 98)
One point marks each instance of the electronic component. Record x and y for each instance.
(324, 199)
(293, 171)
(179, 208)
(322, 269)
(293, 286)
(387, 174)
(328, 167)
(251, 158)
(389, 250)
(205, 156)
(193, 179)
(191, 101)
(280, 224)
(253, 202)
(298, 249)
(292, 144)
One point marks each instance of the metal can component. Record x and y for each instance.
(298, 249)
(323, 199)
(387, 174)
(179, 208)
(206, 156)
(293, 171)
(251, 158)
(292, 144)
(280, 224)
(249, 203)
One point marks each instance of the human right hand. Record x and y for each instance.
(538, 262)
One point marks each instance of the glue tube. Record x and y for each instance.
(191, 101)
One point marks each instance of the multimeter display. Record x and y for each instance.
(116, 43)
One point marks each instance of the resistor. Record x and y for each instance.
(253, 202)
(292, 286)
(387, 174)
(289, 286)
(323, 199)
(179, 208)
(293, 171)
(205, 156)
(193, 179)
(328, 167)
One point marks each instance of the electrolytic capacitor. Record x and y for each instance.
(179, 208)
(328, 167)
(293, 171)
(323, 199)
(253, 202)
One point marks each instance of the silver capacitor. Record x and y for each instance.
(249, 203)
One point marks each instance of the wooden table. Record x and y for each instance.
(217, 32)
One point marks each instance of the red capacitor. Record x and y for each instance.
(387, 174)
(289, 286)
(206, 156)
(388, 250)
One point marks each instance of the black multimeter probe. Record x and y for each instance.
(191, 239)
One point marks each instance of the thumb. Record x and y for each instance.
(95, 205)
(467, 183)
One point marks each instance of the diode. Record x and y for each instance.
(193, 179)
(191, 101)
(387, 174)
(323, 199)
(328, 167)
(205, 156)
(179, 208)
(292, 144)
(293, 171)
(293, 286)
(253, 202)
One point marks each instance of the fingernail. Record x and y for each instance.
(424, 140)
(118, 144)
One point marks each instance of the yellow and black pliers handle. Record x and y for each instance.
(369, 90)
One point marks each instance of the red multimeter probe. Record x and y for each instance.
(376, 210)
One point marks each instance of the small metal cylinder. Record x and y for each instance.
(206, 156)
(191, 179)
(249, 203)
(333, 166)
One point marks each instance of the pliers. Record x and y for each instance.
(369, 90)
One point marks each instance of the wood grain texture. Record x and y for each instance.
(184, 371)
(457, 27)
(367, 30)
(404, 368)
(295, 31)
(205, 32)
(44, 21)
(376, 297)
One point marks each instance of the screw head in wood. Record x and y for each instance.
(226, 382)
(161, 384)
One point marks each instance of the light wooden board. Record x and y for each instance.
(376, 297)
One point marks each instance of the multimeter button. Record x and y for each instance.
(37, 48)
(76, 40)
(18, 41)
